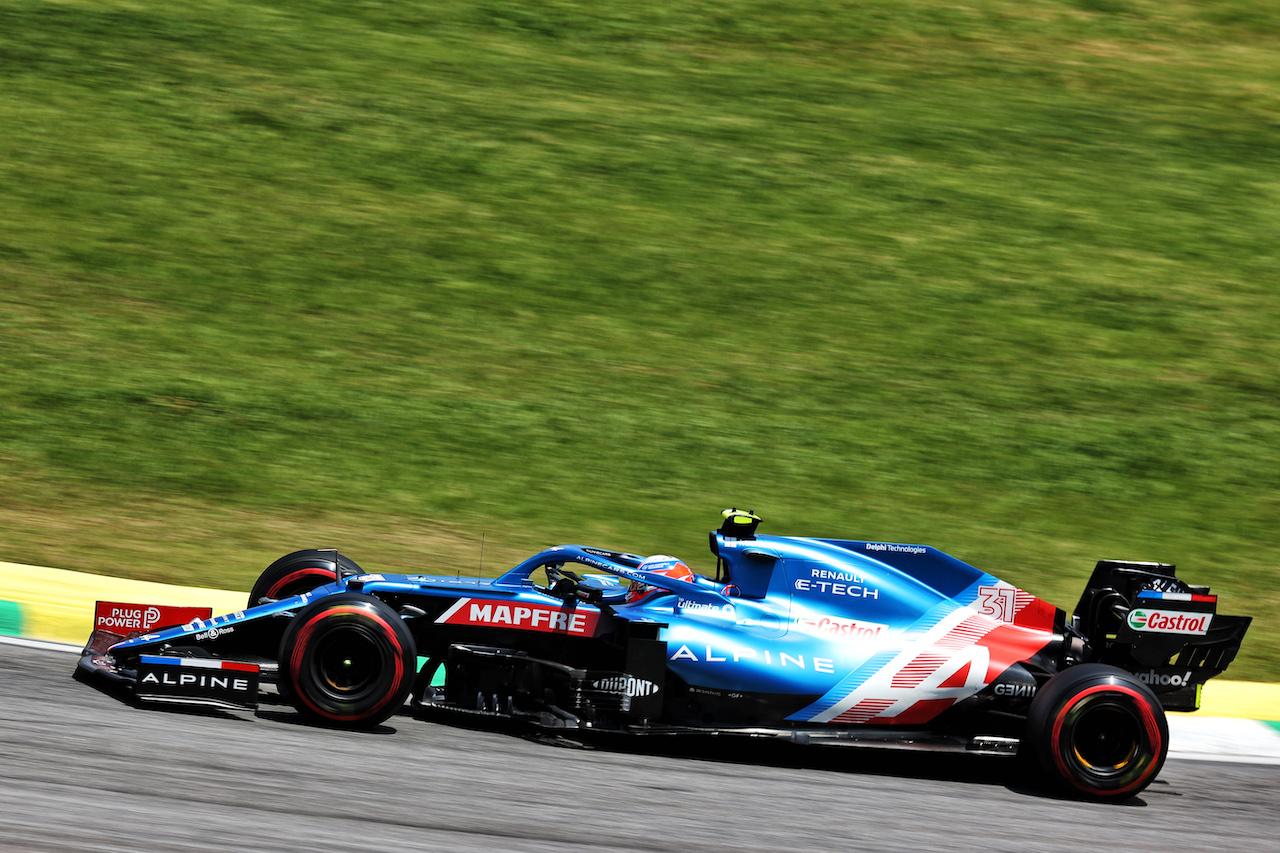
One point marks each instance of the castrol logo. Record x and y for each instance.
(1169, 621)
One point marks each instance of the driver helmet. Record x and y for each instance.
(662, 564)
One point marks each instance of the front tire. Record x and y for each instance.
(347, 660)
(1099, 731)
(299, 572)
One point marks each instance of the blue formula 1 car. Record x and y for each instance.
(823, 641)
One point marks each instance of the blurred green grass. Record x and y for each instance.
(995, 276)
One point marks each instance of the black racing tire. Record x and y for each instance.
(347, 660)
(299, 572)
(1098, 731)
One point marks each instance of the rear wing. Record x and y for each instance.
(1140, 617)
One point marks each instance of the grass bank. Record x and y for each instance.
(995, 276)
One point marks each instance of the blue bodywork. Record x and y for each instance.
(809, 619)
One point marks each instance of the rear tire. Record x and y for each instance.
(348, 660)
(1099, 731)
(299, 572)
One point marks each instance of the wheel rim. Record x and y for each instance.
(1106, 739)
(348, 663)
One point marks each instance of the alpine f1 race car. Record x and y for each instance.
(819, 641)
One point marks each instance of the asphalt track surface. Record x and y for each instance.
(83, 771)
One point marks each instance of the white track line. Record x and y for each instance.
(1222, 739)
(38, 644)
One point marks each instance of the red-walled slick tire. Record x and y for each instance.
(347, 660)
(299, 572)
(1099, 731)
